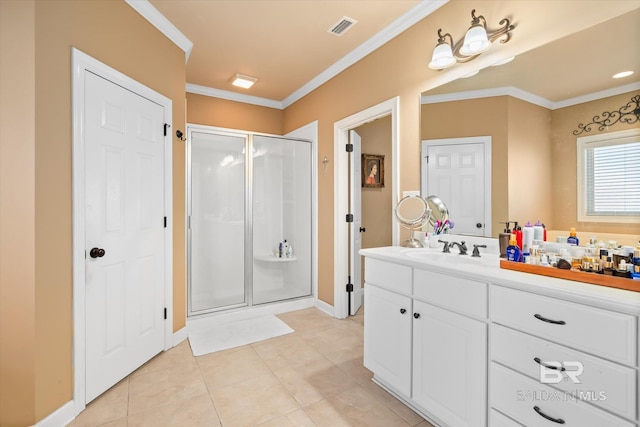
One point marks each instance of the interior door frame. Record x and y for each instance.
(341, 130)
(82, 63)
(486, 143)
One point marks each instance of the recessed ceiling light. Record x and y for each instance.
(243, 81)
(622, 74)
(504, 61)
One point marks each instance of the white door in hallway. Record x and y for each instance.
(356, 225)
(124, 229)
(456, 174)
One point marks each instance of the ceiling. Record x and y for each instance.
(284, 43)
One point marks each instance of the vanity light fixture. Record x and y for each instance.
(243, 81)
(476, 41)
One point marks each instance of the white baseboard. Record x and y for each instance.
(213, 319)
(323, 306)
(180, 336)
(60, 417)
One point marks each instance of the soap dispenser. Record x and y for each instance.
(503, 239)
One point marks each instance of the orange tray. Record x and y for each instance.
(579, 276)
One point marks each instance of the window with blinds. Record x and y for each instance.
(610, 175)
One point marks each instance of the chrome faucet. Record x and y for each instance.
(461, 246)
(445, 248)
(476, 251)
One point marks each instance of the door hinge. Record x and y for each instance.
(165, 222)
(349, 148)
(349, 285)
(166, 126)
(349, 218)
(427, 157)
(165, 313)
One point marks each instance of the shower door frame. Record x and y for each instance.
(248, 211)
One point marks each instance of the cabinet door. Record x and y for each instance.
(387, 337)
(450, 365)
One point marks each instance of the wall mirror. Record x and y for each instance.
(530, 107)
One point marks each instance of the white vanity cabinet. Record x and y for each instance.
(419, 348)
(463, 343)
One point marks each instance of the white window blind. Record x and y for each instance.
(613, 179)
(611, 176)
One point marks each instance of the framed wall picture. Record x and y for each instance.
(372, 170)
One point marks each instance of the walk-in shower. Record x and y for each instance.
(247, 193)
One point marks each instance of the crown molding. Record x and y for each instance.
(488, 93)
(414, 15)
(158, 20)
(233, 96)
(597, 95)
(527, 96)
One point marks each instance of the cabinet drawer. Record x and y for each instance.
(517, 396)
(463, 295)
(388, 275)
(518, 351)
(601, 332)
(497, 419)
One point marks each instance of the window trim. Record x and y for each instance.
(582, 144)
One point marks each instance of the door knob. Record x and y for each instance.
(403, 311)
(478, 225)
(96, 253)
(416, 315)
(362, 229)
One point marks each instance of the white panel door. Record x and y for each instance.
(124, 232)
(456, 175)
(356, 210)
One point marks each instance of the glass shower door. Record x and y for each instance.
(217, 221)
(282, 204)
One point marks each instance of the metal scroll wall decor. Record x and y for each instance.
(629, 113)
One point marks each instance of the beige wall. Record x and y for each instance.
(205, 110)
(41, 284)
(530, 175)
(17, 214)
(565, 121)
(377, 206)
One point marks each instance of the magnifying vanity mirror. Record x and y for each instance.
(412, 212)
(529, 109)
(439, 211)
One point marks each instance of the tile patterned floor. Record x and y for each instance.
(312, 377)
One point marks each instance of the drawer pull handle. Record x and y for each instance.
(403, 310)
(547, 417)
(539, 362)
(555, 322)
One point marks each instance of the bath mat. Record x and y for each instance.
(236, 334)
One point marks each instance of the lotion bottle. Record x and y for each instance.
(513, 251)
(517, 230)
(527, 238)
(538, 231)
(573, 239)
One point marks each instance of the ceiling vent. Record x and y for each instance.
(341, 27)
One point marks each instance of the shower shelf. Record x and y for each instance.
(275, 259)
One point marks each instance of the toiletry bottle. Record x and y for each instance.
(517, 230)
(289, 251)
(527, 238)
(538, 231)
(280, 250)
(544, 236)
(573, 239)
(513, 251)
(503, 239)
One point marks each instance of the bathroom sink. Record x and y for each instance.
(453, 259)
